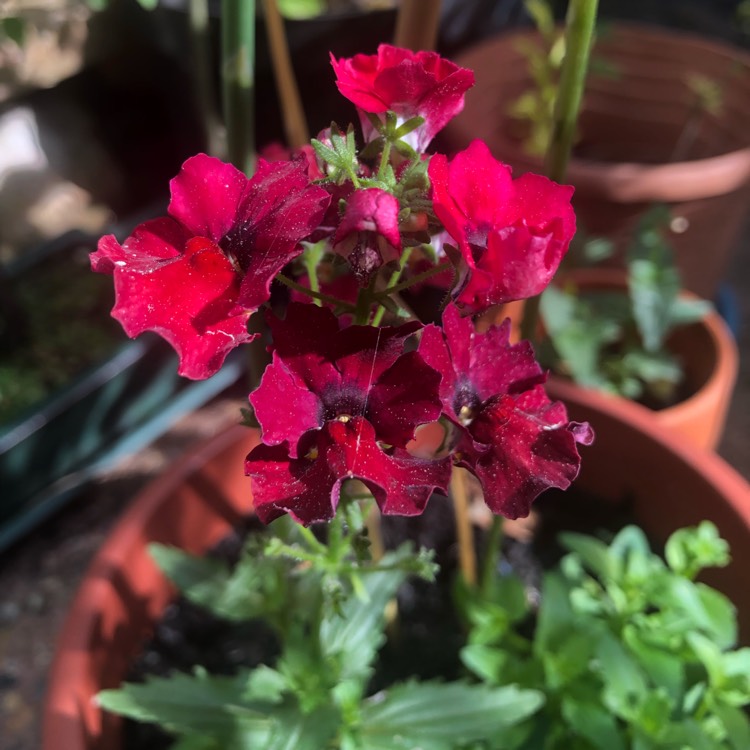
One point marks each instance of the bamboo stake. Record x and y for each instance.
(295, 125)
(464, 532)
(417, 24)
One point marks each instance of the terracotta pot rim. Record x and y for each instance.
(641, 182)
(714, 468)
(724, 347)
(71, 651)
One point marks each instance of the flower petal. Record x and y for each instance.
(205, 196)
(203, 325)
(309, 488)
(404, 396)
(285, 407)
(521, 446)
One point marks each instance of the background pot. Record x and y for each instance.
(630, 124)
(708, 353)
(671, 482)
(192, 506)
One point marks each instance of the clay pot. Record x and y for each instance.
(671, 482)
(192, 506)
(628, 156)
(709, 355)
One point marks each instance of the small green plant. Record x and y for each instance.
(615, 341)
(536, 106)
(628, 648)
(326, 604)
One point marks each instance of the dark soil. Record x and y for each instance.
(429, 636)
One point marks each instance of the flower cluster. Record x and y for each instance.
(351, 232)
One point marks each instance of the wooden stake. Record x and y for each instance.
(417, 24)
(295, 124)
(464, 532)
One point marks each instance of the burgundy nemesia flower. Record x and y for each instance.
(512, 234)
(410, 84)
(337, 404)
(197, 275)
(510, 436)
(368, 234)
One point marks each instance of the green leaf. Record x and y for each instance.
(736, 726)
(486, 662)
(593, 553)
(441, 716)
(592, 721)
(293, 730)
(354, 636)
(199, 703)
(687, 310)
(301, 9)
(14, 29)
(148, 4)
(624, 682)
(232, 594)
(664, 667)
(556, 616)
(690, 550)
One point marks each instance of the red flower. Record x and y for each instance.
(368, 234)
(410, 84)
(512, 233)
(197, 275)
(509, 434)
(339, 404)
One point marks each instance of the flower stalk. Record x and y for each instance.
(579, 33)
(238, 64)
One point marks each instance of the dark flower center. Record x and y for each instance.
(466, 402)
(344, 401)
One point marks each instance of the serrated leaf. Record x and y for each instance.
(486, 662)
(354, 636)
(441, 716)
(233, 594)
(198, 703)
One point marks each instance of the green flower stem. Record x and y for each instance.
(311, 259)
(492, 553)
(346, 306)
(395, 276)
(237, 74)
(385, 158)
(364, 303)
(418, 279)
(579, 33)
(200, 39)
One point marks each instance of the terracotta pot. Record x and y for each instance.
(629, 129)
(671, 482)
(192, 506)
(709, 355)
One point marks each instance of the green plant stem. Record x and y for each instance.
(395, 276)
(200, 39)
(343, 304)
(418, 279)
(237, 73)
(491, 553)
(579, 32)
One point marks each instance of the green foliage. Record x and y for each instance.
(441, 716)
(617, 343)
(326, 603)
(628, 649)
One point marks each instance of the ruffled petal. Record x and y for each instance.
(309, 488)
(519, 447)
(404, 396)
(151, 278)
(206, 195)
(284, 406)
